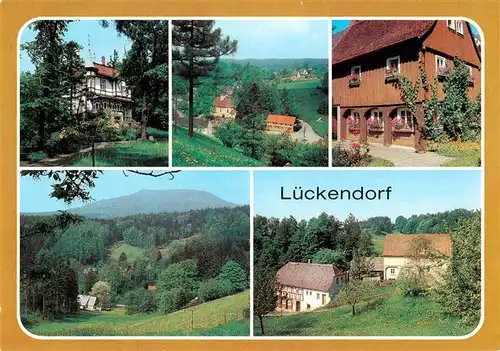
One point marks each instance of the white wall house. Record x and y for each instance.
(306, 286)
(102, 90)
(398, 256)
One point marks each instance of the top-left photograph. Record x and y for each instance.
(94, 93)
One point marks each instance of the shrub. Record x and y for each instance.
(409, 284)
(234, 273)
(140, 301)
(229, 133)
(173, 300)
(213, 289)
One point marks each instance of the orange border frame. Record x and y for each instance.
(13, 15)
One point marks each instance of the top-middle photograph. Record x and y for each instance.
(250, 93)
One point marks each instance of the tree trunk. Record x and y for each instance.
(353, 311)
(144, 117)
(261, 325)
(191, 99)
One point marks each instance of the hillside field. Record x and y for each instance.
(202, 151)
(308, 98)
(391, 315)
(225, 316)
(132, 252)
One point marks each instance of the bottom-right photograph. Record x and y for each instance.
(367, 253)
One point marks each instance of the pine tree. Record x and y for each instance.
(197, 47)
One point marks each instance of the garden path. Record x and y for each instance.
(402, 156)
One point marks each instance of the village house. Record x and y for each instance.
(280, 123)
(366, 60)
(102, 90)
(302, 74)
(306, 286)
(398, 256)
(88, 303)
(224, 108)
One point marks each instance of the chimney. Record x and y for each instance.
(103, 60)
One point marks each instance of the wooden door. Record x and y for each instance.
(323, 299)
(297, 306)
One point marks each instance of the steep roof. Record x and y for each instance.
(367, 36)
(290, 120)
(398, 245)
(224, 102)
(106, 71)
(377, 262)
(337, 36)
(312, 276)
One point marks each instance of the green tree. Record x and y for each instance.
(101, 291)
(354, 292)
(234, 273)
(145, 69)
(229, 133)
(328, 256)
(400, 223)
(179, 275)
(197, 47)
(265, 293)
(460, 293)
(250, 115)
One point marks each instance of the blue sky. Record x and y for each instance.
(413, 192)
(231, 186)
(102, 40)
(278, 38)
(342, 24)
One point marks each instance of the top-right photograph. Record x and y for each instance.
(406, 93)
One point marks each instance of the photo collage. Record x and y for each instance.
(250, 177)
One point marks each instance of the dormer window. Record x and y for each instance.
(451, 24)
(459, 25)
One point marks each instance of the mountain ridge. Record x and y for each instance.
(146, 201)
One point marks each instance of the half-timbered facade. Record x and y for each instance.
(306, 286)
(366, 60)
(102, 89)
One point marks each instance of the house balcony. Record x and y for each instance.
(391, 74)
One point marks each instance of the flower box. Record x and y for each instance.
(354, 80)
(442, 72)
(391, 74)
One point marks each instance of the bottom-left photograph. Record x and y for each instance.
(134, 253)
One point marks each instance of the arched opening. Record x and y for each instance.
(375, 125)
(352, 124)
(403, 124)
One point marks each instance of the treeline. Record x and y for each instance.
(431, 223)
(322, 239)
(67, 255)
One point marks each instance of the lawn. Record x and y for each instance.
(392, 315)
(132, 252)
(466, 154)
(202, 151)
(301, 84)
(135, 153)
(225, 316)
(308, 99)
(379, 162)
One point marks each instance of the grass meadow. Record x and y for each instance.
(225, 316)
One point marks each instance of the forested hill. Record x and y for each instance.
(149, 201)
(280, 64)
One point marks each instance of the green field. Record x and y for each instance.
(308, 99)
(465, 154)
(225, 316)
(132, 252)
(202, 151)
(134, 153)
(392, 315)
